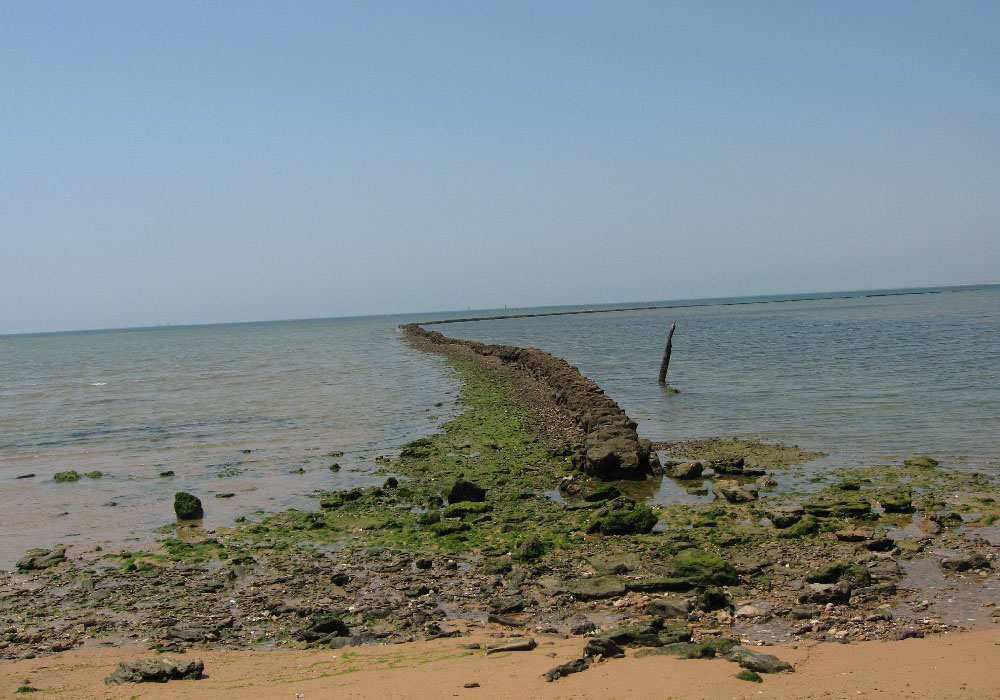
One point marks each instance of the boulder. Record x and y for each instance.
(595, 587)
(187, 507)
(607, 492)
(734, 465)
(897, 501)
(464, 490)
(155, 670)
(703, 569)
(686, 470)
(734, 492)
(822, 593)
(625, 521)
(668, 607)
(603, 646)
(67, 476)
(974, 561)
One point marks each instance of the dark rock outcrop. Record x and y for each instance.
(187, 507)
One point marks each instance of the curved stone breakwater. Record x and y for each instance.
(611, 449)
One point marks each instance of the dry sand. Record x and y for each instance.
(961, 665)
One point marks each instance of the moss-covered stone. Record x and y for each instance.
(595, 587)
(465, 508)
(632, 521)
(845, 508)
(66, 477)
(703, 569)
(921, 462)
(187, 506)
(854, 574)
(607, 492)
(897, 501)
(807, 525)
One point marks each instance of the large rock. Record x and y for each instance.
(595, 587)
(975, 561)
(703, 569)
(686, 470)
(785, 516)
(187, 507)
(625, 521)
(466, 491)
(155, 670)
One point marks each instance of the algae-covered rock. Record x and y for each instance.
(448, 527)
(529, 549)
(846, 508)
(603, 646)
(897, 501)
(757, 661)
(41, 558)
(466, 508)
(94, 474)
(648, 633)
(748, 675)
(155, 670)
(921, 462)
(626, 521)
(974, 561)
(703, 569)
(608, 492)
(727, 465)
(66, 477)
(187, 507)
(785, 516)
(807, 525)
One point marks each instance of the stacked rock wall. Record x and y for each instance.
(612, 448)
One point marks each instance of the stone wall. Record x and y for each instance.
(612, 449)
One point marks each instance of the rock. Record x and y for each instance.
(747, 611)
(845, 508)
(975, 561)
(808, 525)
(187, 507)
(574, 666)
(448, 527)
(724, 465)
(854, 574)
(757, 661)
(505, 621)
(734, 492)
(921, 462)
(423, 563)
(929, 527)
(704, 569)
(66, 477)
(25, 476)
(583, 628)
(595, 587)
(464, 490)
(507, 605)
(855, 534)
(686, 470)
(512, 645)
(529, 549)
(823, 593)
(473, 684)
(647, 633)
(748, 675)
(635, 521)
(897, 501)
(608, 492)
(908, 633)
(463, 508)
(603, 646)
(323, 627)
(41, 558)
(155, 670)
(785, 516)
(668, 608)
(766, 482)
(713, 598)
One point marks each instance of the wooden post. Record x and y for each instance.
(666, 354)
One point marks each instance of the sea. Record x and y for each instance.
(253, 417)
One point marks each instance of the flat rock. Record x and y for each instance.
(155, 670)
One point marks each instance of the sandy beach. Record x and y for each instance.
(958, 665)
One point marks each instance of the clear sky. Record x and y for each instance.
(190, 162)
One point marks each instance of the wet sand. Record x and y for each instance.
(959, 665)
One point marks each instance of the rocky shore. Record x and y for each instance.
(528, 518)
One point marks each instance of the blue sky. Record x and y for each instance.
(192, 162)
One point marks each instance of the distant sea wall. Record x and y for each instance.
(612, 449)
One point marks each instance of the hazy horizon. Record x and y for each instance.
(186, 163)
(430, 313)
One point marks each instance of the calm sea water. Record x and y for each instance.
(243, 408)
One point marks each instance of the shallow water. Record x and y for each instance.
(867, 378)
(242, 408)
(229, 409)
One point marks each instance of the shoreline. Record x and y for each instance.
(549, 550)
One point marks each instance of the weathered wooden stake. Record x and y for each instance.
(666, 354)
